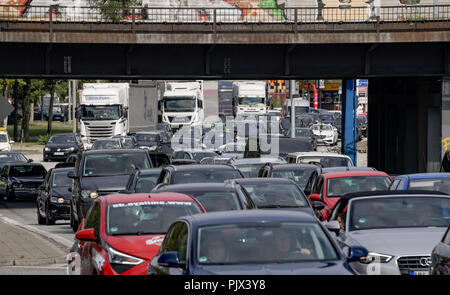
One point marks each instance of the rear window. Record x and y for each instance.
(213, 175)
(430, 184)
(110, 164)
(217, 201)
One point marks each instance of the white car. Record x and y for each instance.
(325, 159)
(5, 142)
(325, 133)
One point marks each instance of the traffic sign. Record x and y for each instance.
(5, 108)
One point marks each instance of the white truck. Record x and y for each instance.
(249, 98)
(110, 109)
(182, 104)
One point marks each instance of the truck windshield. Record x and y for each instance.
(179, 104)
(251, 100)
(111, 112)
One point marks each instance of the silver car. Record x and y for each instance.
(398, 229)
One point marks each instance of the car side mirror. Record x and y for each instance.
(314, 197)
(333, 226)
(41, 187)
(170, 259)
(29, 160)
(357, 253)
(86, 235)
(317, 205)
(72, 175)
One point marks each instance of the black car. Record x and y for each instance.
(104, 144)
(102, 172)
(159, 159)
(127, 142)
(312, 180)
(142, 181)
(12, 157)
(440, 256)
(60, 146)
(276, 193)
(306, 134)
(148, 139)
(299, 173)
(196, 155)
(213, 196)
(53, 200)
(21, 180)
(197, 173)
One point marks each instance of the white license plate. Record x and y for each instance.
(419, 272)
(58, 153)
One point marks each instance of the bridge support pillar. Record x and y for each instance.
(349, 135)
(445, 115)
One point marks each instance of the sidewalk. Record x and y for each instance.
(19, 247)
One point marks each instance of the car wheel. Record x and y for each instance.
(48, 217)
(40, 219)
(73, 222)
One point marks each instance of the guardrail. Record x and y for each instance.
(218, 16)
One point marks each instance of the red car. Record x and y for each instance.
(329, 187)
(121, 233)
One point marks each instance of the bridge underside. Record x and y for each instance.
(223, 61)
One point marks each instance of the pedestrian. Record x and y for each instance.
(144, 12)
(445, 167)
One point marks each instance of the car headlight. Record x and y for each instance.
(89, 194)
(122, 258)
(71, 149)
(377, 257)
(57, 200)
(46, 149)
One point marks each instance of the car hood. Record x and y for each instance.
(398, 241)
(305, 268)
(107, 183)
(61, 192)
(145, 246)
(60, 145)
(28, 179)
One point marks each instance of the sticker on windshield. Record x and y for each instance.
(114, 229)
(203, 259)
(362, 220)
(157, 240)
(146, 203)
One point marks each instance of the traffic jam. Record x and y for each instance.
(254, 189)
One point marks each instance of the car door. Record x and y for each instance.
(43, 192)
(339, 213)
(176, 240)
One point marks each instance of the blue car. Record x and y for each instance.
(252, 242)
(422, 181)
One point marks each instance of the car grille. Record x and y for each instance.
(408, 263)
(99, 132)
(30, 185)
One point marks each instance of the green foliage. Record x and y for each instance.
(43, 138)
(113, 10)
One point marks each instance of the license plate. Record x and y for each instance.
(419, 272)
(58, 153)
(180, 120)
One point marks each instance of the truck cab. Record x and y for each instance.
(103, 111)
(249, 98)
(182, 104)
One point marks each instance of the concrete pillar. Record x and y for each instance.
(445, 115)
(349, 132)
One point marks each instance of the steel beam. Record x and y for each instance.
(349, 131)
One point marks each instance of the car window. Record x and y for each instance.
(394, 184)
(430, 184)
(27, 171)
(111, 164)
(145, 183)
(93, 219)
(269, 195)
(217, 201)
(213, 175)
(178, 240)
(337, 187)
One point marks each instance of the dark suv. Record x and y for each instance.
(102, 172)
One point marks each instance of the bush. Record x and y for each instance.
(43, 138)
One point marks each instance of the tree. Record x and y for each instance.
(26, 110)
(50, 86)
(113, 10)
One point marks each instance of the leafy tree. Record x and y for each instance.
(113, 10)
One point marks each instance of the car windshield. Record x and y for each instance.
(62, 138)
(7, 158)
(275, 195)
(394, 212)
(326, 117)
(251, 100)
(147, 137)
(301, 110)
(327, 161)
(263, 243)
(127, 142)
(200, 155)
(149, 217)
(250, 170)
(300, 176)
(106, 144)
(110, 112)
(431, 184)
(3, 138)
(179, 104)
(60, 179)
(322, 127)
(337, 187)
(210, 175)
(27, 171)
(303, 132)
(110, 164)
(216, 201)
(145, 183)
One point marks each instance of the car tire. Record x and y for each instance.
(40, 219)
(48, 218)
(73, 222)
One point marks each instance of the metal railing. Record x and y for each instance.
(217, 16)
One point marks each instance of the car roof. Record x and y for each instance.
(340, 174)
(426, 175)
(213, 186)
(256, 215)
(256, 180)
(346, 168)
(150, 171)
(318, 154)
(143, 197)
(294, 166)
(259, 160)
(114, 151)
(394, 193)
(63, 169)
(191, 167)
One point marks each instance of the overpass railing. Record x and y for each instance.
(217, 16)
